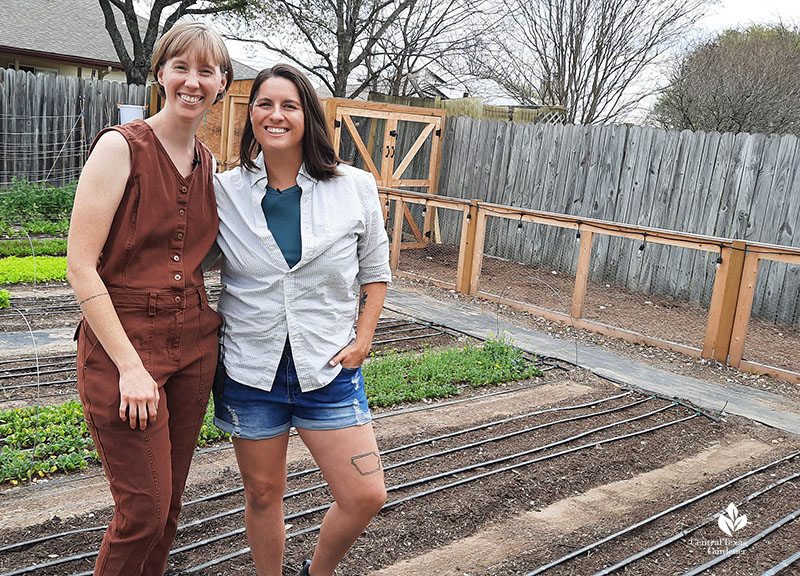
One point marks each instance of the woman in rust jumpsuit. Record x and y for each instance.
(144, 218)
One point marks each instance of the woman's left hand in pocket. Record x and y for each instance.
(350, 357)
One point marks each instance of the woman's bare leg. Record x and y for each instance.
(351, 465)
(263, 467)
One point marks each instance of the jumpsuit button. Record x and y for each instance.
(177, 298)
(181, 212)
(180, 235)
(176, 258)
(177, 276)
(183, 189)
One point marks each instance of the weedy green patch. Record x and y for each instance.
(14, 270)
(394, 378)
(35, 208)
(40, 441)
(5, 299)
(41, 247)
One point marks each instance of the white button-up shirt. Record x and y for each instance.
(344, 245)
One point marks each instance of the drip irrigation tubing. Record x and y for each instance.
(301, 473)
(434, 490)
(654, 517)
(782, 565)
(424, 457)
(43, 358)
(744, 545)
(67, 559)
(683, 533)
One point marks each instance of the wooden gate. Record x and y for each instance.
(340, 114)
(396, 155)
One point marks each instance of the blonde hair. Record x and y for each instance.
(186, 35)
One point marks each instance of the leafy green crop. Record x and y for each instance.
(42, 247)
(5, 299)
(14, 270)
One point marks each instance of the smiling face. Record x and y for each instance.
(191, 83)
(277, 117)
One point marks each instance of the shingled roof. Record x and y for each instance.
(69, 30)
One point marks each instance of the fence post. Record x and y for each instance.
(397, 234)
(466, 252)
(477, 251)
(582, 274)
(744, 304)
(723, 309)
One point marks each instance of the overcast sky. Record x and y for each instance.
(736, 13)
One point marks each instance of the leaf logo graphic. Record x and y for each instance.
(730, 521)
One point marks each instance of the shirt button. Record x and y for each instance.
(176, 258)
(181, 212)
(177, 276)
(183, 189)
(177, 298)
(180, 235)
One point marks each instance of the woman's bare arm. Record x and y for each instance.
(370, 305)
(100, 189)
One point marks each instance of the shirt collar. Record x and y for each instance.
(258, 177)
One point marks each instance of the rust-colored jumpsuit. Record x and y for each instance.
(164, 226)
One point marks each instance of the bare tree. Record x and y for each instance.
(740, 81)
(433, 35)
(330, 39)
(143, 33)
(585, 55)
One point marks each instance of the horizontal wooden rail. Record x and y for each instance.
(732, 295)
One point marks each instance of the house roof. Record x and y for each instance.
(69, 30)
(72, 30)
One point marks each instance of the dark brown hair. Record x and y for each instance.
(186, 35)
(319, 156)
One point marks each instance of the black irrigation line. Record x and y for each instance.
(38, 384)
(783, 565)
(683, 533)
(670, 510)
(308, 471)
(424, 457)
(434, 490)
(403, 339)
(744, 545)
(218, 537)
(41, 359)
(9, 375)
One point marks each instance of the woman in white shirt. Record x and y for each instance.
(305, 255)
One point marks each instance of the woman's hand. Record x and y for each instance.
(350, 357)
(139, 397)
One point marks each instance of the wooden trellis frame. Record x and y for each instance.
(731, 300)
(339, 114)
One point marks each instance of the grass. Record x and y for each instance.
(41, 247)
(35, 208)
(63, 443)
(14, 270)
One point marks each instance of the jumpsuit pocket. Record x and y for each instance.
(98, 378)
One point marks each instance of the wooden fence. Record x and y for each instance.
(737, 186)
(48, 121)
(723, 326)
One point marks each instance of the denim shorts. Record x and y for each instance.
(255, 414)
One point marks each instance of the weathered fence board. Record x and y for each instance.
(742, 186)
(48, 121)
